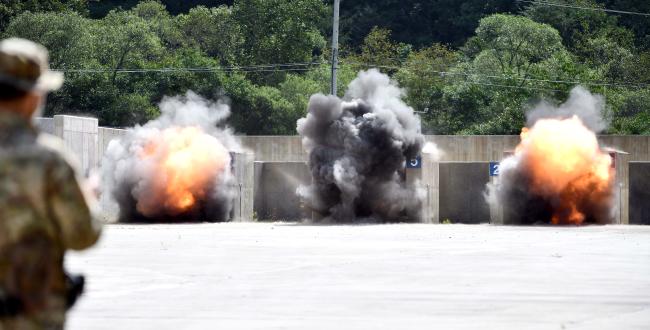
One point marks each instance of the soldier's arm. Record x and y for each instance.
(70, 208)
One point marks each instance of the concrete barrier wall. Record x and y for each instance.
(79, 135)
(621, 187)
(456, 148)
(426, 178)
(275, 190)
(640, 193)
(462, 185)
(275, 148)
(431, 183)
(46, 125)
(89, 142)
(244, 172)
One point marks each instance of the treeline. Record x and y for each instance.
(472, 67)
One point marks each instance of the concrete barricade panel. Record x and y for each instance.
(45, 125)
(243, 170)
(639, 195)
(275, 190)
(461, 192)
(430, 183)
(275, 148)
(621, 187)
(79, 135)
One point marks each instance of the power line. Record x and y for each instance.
(502, 77)
(555, 4)
(294, 67)
(308, 66)
(253, 68)
(443, 73)
(513, 87)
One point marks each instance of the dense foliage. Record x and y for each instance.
(470, 67)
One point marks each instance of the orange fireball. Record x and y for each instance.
(185, 164)
(566, 166)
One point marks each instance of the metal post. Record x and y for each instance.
(335, 45)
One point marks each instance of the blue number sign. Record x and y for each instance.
(494, 168)
(414, 163)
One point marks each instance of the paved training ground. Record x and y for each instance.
(283, 276)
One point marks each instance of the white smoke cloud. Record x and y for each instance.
(134, 182)
(432, 150)
(582, 103)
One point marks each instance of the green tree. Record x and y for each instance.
(66, 35)
(12, 8)
(511, 61)
(631, 111)
(93, 52)
(576, 26)
(126, 41)
(423, 76)
(159, 21)
(592, 35)
(322, 75)
(610, 59)
(512, 45)
(258, 110)
(72, 45)
(419, 22)
(638, 68)
(297, 89)
(638, 24)
(100, 8)
(378, 50)
(279, 31)
(214, 31)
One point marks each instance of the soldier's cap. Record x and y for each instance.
(24, 65)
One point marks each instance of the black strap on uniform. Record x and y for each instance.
(74, 288)
(10, 306)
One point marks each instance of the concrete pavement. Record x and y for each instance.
(285, 276)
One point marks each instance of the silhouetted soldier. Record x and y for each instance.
(43, 209)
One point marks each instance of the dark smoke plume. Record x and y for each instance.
(357, 150)
(174, 168)
(558, 173)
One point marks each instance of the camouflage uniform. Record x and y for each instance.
(43, 212)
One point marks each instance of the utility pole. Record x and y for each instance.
(335, 45)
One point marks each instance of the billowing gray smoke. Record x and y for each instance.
(558, 173)
(357, 150)
(588, 107)
(174, 168)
